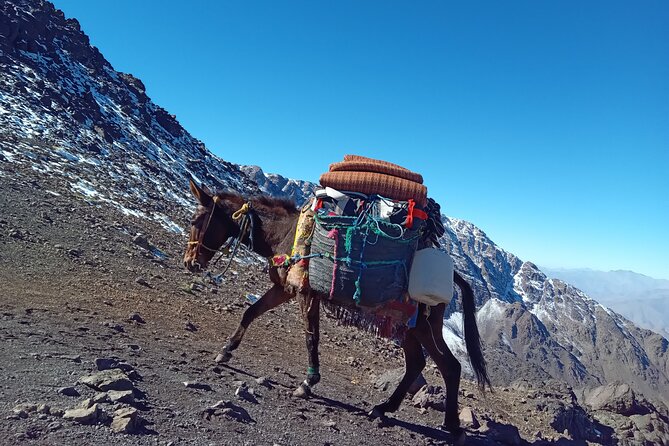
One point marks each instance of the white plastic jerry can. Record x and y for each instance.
(431, 277)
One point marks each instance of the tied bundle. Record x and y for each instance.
(375, 177)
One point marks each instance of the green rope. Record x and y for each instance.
(350, 261)
(348, 239)
(370, 223)
(358, 290)
(312, 370)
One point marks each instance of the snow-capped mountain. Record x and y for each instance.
(66, 113)
(539, 327)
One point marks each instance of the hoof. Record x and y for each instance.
(303, 391)
(376, 413)
(222, 358)
(458, 433)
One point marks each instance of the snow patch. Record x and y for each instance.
(454, 337)
(67, 155)
(85, 188)
(490, 312)
(168, 224)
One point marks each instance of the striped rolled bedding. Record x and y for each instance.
(370, 176)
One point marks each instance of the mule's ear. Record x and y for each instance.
(201, 194)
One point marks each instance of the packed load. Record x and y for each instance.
(374, 177)
(357, 239)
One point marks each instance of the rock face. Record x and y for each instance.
(279, 186)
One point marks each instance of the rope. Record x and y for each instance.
(246, 214)
(246, 207)
(433, 340)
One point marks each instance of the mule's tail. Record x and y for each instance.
(472, 338)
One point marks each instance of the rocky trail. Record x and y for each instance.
(81, 295)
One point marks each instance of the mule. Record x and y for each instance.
(272, 225)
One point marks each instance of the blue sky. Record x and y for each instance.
(544, 123)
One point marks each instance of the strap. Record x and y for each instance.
(246, 207)
(413, 212)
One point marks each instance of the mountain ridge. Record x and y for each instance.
(640, 298)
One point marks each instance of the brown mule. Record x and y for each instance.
(273, 228)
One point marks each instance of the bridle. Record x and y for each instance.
(199, 243)
(246, 225)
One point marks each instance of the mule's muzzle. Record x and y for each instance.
(193, 265)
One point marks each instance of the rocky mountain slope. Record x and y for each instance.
(279, 186)
(67, 112)
(547, 327)
(87, 161)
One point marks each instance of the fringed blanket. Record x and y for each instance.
(390, 321)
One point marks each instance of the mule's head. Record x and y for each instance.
(210, 227)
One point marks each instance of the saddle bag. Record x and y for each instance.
(361, 260)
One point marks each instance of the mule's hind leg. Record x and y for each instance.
(429, 332)
(310, 304)
(414, 363)
(274, 297)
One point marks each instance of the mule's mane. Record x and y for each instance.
(262, 203)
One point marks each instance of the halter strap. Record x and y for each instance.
(197, 242)
(241, 213)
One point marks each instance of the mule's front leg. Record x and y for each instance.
(311, 312)
(274, 297)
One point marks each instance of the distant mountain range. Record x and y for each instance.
(642, 299)
(65, 112)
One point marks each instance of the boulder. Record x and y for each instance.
(618, 398)
(229, 410)
(90, 415)
(127, 421)
(468, 418)
(429, 397)
(121, 396)
(113, 379)
(68, 391)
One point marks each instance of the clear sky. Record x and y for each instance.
(545, 123)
